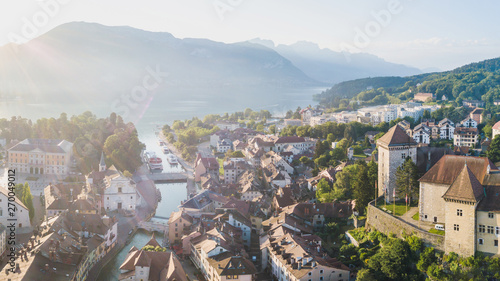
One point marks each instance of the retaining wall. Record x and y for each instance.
(386, 223)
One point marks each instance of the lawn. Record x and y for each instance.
(360, 155)
(221, 166)
(399, 209)
(415, 216)
(435, 231)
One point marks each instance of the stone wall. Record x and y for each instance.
(386, 223)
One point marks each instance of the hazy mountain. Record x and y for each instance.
(85, 61)
(333, 67)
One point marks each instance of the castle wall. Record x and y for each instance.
(460, 240)
(431, 203)
(387, 223)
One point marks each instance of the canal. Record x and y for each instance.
(172, 194)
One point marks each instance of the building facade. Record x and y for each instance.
(463, 194)
(393, 149)
(41, 156)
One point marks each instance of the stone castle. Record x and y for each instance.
(462, 193)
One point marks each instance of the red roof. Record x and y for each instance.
(291, 139)
(396, 136)
(496, 126)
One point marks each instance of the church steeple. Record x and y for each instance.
(102, 163)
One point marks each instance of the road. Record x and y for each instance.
(204, 149)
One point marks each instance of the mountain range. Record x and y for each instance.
(81, 61)
(332, 67)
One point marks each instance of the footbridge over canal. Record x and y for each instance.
(165, 177)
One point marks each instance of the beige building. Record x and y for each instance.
(177, 222)
(146, 264)
(393, 149)
(295, 257)
(462, 193)
(463, 136)
(41, 156)
(226, 266)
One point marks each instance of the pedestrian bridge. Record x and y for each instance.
(159, 226)
(166, 177)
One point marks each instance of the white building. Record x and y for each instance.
(468, 123)
(119, 192)
(422, 134)
(300, 143)
(21, 215)
(224, 145)
(414, 113)
(231, 126)
(446, 129)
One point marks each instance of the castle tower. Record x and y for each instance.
(102, 164)
(461, 200)
(393, 148)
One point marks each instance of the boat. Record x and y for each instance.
(172, 159)
(165, 150)
(154, 162)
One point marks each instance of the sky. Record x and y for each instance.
(421, 33)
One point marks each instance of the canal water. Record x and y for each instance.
(172, 194)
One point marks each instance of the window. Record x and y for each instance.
(481, 241)
(321, 271)
(491, 215)
(119, 190)
(456, 227)
(490, 229)
(481, 228)
(403, 155)
(310, 273)
(495, 242)
(497, 230)
(321, 278)
(459, 212)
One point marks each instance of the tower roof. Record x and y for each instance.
(153, 242)
(102, 162)
(466, 187)
(396, 136)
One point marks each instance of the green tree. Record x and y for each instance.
(362, 189)
(407, 180)
(493, 152)
(364, 274)
(323, 188)
(427, 258)
(391, 262)
(23, 193)
(272, 129)
(304, 160)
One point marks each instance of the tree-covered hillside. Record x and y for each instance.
(477, 81)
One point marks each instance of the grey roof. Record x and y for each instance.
(203, 199)
(102, 162)
(45, 145)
